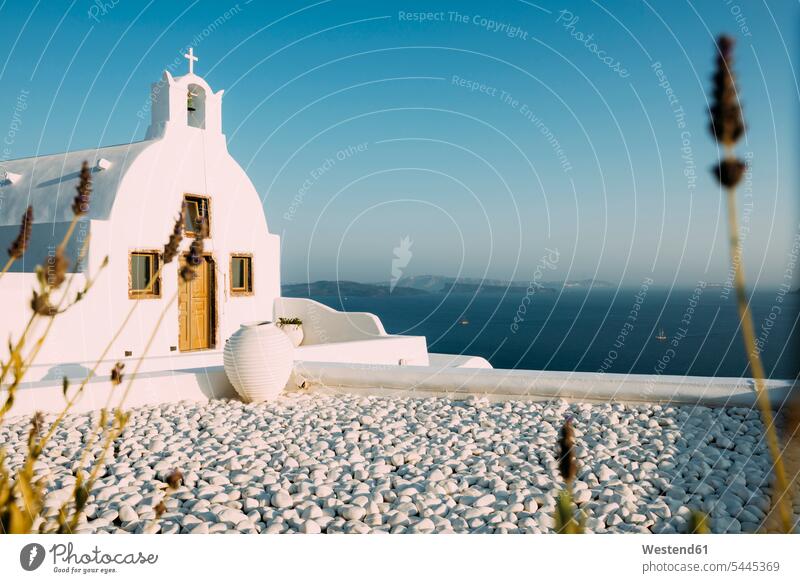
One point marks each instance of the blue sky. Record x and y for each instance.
(487, 133)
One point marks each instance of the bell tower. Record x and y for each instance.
(184, 103)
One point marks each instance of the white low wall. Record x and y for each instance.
(386, 350)
(149, 388)
(539, 385)
(195, 376)
(201, 377)
(323, 324)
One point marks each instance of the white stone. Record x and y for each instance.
(232, 516)
(485, 500)
(202, 528)
(127, 514)
(604, 474)
(310, 527)
(311, 512)
(436, 476)
(282, 499)
(352, 512)
(582, 496)
(323, 491)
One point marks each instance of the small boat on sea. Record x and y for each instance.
(661, 336)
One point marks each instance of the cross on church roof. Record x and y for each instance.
(191, 58)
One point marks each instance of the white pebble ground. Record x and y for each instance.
(313, 463)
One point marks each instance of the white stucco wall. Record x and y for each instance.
(144, 221)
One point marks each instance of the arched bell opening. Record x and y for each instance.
(196, 106)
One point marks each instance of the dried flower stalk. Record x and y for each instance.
(20, 244)
(172, 248)
(566, 521)
(791, 459)
(189, 271)
(727, 127)
(80, 204)
(116, 374)
(566, 459)
(698, 523)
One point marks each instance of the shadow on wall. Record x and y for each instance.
(213, 382)
(70, 370)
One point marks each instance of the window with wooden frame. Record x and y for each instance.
(142, 272)
(241, 274)
(196, 213)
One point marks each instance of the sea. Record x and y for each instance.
(641, 330)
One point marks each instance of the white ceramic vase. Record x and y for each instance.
(294, 332)
(258, 360)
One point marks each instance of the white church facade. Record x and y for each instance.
(138, 191)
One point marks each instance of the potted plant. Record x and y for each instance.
(293, 327)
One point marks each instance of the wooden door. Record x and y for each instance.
(196, 308)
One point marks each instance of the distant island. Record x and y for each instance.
(442, 284)
(430, 284)
(345, 288)
(509, 288)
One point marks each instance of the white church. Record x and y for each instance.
(138, 191)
